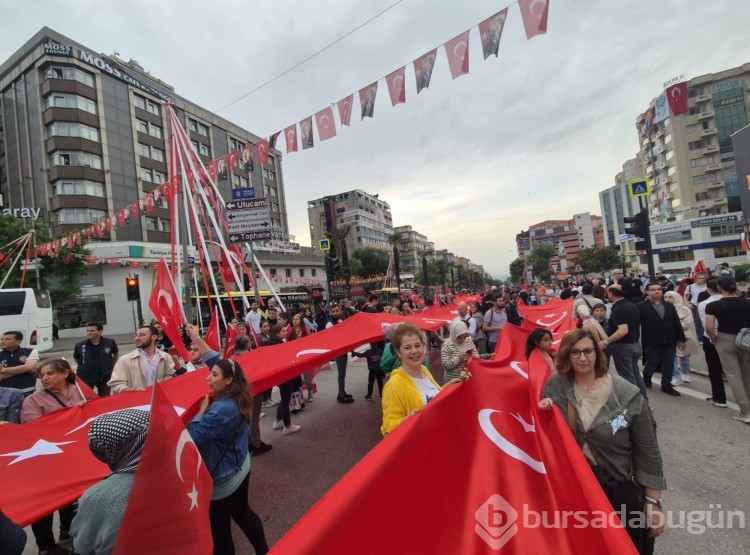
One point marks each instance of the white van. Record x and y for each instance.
(30, 312)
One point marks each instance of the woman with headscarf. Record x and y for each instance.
(116, 439)
(682, 359)
(60, 391)
(456, 350)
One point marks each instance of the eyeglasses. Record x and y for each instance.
(576, 353)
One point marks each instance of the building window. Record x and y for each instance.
(703, 161)
(157, 154)
(75, 158)
(141, 125)
(274, 192)
(152, 224)
(79, 215)
(78, 187)
(144, 150)
(288, 272)
(273, 271)
(204, 150)
(192, 125)
(195, 144)
(153, 107)
(59, 100)
(156, 131)
(235, 181)
(730, 229)
(139, 102)
(71, 73)
(274, 207)
(164, 225)
(202, 129)
(244, 182)
(160, 177)
(724, 252)
(673, 237)
(301, 272)
(70, 129)
(147, 175)
(313, 272)
(672, 170)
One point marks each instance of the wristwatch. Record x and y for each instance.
(658, 502)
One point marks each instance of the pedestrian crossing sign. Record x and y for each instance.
(639, 188)
(324, 244)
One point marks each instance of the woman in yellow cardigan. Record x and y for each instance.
(411, 386)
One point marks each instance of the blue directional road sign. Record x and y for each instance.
(639, 188)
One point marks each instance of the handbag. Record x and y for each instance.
(742, 339)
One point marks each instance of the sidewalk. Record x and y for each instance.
(63, 348)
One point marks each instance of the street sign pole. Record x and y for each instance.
(254, 276)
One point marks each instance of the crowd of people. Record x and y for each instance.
(628, 320)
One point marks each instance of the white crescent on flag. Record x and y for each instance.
(456, 48)
(534, 3)
(312, 352)
(506, 446)
(184, 440)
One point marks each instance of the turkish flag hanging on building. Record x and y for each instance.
(262, 147)
(397, 86)
(134, 209)
(233, 158)
(211, 167)
(167, 509)
(367, 100)
(167, 307)
(325, 123)
(423, 69)
(490, 31)
(534, 14)
(457, 50)
(290, 134)
(306, 128)
(345, 109)
(678, 98)
(122, 218)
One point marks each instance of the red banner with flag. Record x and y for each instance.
(367, 100)
(167, 307)
(457, 50)
(490, 31)
(397, 86)
(262, 147)
(213, 335)
(534, 14)
(290, 134)
(167, 509)
(325, 123)
(423, 67)
(345, 109)
(306, 127)
(677, 97)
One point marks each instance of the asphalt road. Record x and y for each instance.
(705, 451)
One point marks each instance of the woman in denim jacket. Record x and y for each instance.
(220, 430)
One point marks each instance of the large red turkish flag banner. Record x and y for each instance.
(167, 509)
(167, 307)
(515, 473)
(677, 96)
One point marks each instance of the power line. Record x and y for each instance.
(256, 89)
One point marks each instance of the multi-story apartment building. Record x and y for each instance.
(413, 244)
(83, 135)
(369, 219)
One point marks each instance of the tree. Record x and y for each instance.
(598, 260)
(540, 256)
(60, 274)
(371, 262)
(516, 270)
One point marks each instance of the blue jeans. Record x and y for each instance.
(664, 355)
(625, 356)
(341, 367)
(681, 367)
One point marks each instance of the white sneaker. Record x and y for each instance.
(675, 382)
(686, 379)
(292, 429)
(262, 415)
(742, 417)
(278, 424)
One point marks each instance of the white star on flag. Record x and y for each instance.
(41, 447)
(193, 495)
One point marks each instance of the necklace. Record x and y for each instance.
(585, 392)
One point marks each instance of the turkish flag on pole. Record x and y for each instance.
(290, 133)
(262, 147)
(167, 307)
(396, 86)
(457, 50)
(167, 509)
(677, 98)
(213, 336)
(230, 337)
(534, 15)
(345, 109)
(325, 123)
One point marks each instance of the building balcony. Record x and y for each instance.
(702, 98)
(708, 132)
(710, 150)
(705, 115)
(662, 165)
(712, 167)
(721, 200)
(661, 149)
(715, 185)
(661, 131)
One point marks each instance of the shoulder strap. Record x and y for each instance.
(56, 398)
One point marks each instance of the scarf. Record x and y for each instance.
(117, 439)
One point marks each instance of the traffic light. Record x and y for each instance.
(133, 290)
(638, 225)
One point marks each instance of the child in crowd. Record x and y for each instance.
(373, 355)
(541, 340)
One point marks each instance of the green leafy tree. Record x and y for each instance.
(540, 257)
(372, 262)
(60, 274)
(598, 260)
(516, 270)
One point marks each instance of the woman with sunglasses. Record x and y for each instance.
(614, 427)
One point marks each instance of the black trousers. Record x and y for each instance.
(282, 409)
(42, 528)
(714, 371)
(235, 507)
(372, 377)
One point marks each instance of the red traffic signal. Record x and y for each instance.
(132, 288)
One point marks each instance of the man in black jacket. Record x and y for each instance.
(661, 333)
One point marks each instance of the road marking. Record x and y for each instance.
(702, 396)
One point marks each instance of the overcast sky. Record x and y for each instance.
(532, 135)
